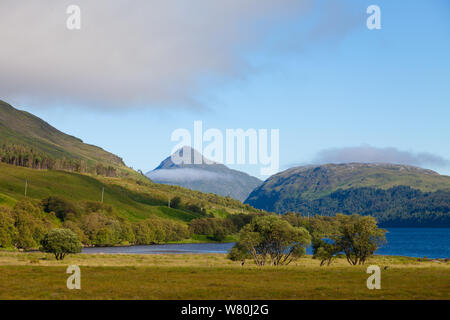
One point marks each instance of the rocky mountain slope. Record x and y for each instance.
(206, 176)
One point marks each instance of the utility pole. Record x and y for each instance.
(103, 193)
(26, 187)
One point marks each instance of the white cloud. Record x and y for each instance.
(128, 53)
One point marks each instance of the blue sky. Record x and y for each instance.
(324, 81)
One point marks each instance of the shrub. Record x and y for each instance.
(175, 202)
(60, 206)
(31, 224)
(238, 253)
(219, 235)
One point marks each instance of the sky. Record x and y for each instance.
(138, 70)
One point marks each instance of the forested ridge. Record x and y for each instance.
(397, 195)
(400, 206)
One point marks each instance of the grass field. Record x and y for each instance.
(39, 276)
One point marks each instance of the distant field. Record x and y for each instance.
(38, 276)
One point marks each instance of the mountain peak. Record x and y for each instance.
(188, 157)
(205, 176)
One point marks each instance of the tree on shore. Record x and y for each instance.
(271, 239)
(358, 237)
(60, 242)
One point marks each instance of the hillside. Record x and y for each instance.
(132, 199)
(28, 141)
(397, 195)
(133, 212)
(206, 176)
(50, 180)
(56, 164)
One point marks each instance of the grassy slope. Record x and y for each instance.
(363, 175)
(39, 276)
(23, 128)
(315, 182)
(385, 179)
(130, 200)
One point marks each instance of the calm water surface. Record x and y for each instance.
(411, 242)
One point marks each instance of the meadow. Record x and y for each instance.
(211, 276)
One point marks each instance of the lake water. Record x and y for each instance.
(411, 242)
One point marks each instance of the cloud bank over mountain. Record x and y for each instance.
(183, 174)
(369, 154)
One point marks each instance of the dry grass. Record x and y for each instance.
(189, 276)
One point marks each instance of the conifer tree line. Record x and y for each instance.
(23, 156)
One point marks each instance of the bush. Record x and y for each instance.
(95, 206)
(219, 235)
(31, 224)
(175, 202)
(238, 253)
(101, 230)
(195, 208)
(60, 206)
(60, 242)
(211, 226)
(156, 230)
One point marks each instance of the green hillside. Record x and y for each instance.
(49, 179)
(398, 195)
(28, 141)
(132, 199)
(65, 181)
(313, 182)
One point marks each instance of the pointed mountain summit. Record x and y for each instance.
(190, 169)
(188, 157)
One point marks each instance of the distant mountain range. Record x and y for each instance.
(207, 176)
(397, 195)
